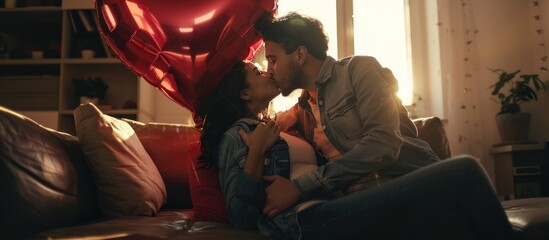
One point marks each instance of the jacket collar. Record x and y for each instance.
(303, 100)
(324, 74)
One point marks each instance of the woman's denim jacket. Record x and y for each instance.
(244, 197)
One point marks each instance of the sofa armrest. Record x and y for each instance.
(44, 181)
(431, 130)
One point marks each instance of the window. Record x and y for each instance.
(380, 30)
(323, 10)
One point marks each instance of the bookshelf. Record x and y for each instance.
(521, 170)
(42, 88)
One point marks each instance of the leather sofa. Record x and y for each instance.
(48, 192)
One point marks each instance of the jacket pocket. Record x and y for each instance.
(344, 119)
(279, 159)
(342, 106)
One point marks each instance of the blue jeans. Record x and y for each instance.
(450, 199)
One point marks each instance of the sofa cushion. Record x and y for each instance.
(529, 217)
(128, 182)
(167, 224)
(431, 130)
(171, 148)
(44, 181)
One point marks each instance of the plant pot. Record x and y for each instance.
(513, 128)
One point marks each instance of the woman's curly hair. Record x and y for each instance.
(222, 108)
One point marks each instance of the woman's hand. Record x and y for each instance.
(259, 142)
(262, 138)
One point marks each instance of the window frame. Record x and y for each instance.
(422, 30)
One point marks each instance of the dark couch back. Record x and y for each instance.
(431, 130)
(44, 182)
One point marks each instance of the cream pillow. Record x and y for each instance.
(128, 182)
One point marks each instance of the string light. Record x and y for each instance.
(544, 64)
(461, 75)
(470, 37)
(469, 77)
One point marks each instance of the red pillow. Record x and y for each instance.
(208, 203)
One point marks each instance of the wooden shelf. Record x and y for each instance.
(516, 147)
(30, 61)
(32, 9)
(43, 88)
(59, 61)
(521, 170)
(92, 61)
(108, 112)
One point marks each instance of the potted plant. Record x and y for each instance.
(89, 90)
(514, 125)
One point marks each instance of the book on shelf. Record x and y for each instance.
(82, 21)
(86, 34)
(87, 20)
(107, 49)
(76, 23)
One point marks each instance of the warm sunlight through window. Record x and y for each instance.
(323, 10)
(380, 31)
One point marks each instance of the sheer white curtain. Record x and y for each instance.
(459, 71)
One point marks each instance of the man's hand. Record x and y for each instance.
(281, 195)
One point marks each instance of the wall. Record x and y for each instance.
(155, 107)
(540, 110)
(507, 40)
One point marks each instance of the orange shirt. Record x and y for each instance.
(321, 140)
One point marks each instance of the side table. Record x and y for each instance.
(521, 170)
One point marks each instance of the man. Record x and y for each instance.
(348, 111)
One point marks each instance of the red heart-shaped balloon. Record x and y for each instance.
(182, 47)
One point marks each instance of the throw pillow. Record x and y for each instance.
(208, 202)
(170, 147)
(128, 182)
(431, 130)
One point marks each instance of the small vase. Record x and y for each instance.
(513, 128)
(85, 100)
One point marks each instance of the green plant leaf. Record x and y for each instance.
(520, 90)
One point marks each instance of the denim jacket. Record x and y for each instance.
(364, 119)
(244, 197)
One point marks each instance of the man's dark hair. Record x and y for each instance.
(294, 30)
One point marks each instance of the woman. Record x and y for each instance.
(452, 199)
